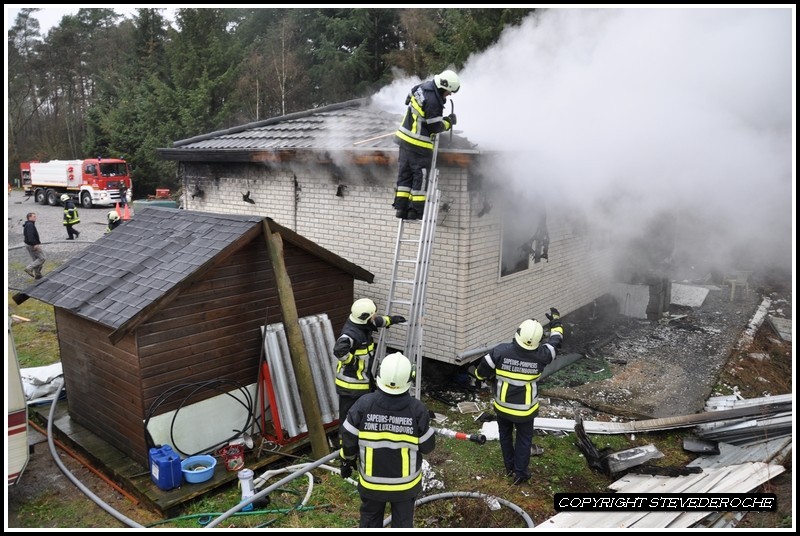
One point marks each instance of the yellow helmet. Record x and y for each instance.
(113, 216)
(529, 333)
(395, 374)
(64, 198)
(362, 310)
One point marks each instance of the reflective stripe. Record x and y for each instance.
(490, 361)
(349, 427)
(366, 455)
(388, 436)
(409, 137)
(523, 413)
(517, 378)
(406, 468)
(353, 386)
(427, 435)
(391, 487)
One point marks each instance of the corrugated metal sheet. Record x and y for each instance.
(319, 340)
(740, 478)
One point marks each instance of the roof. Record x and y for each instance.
(129, 273)
(355, 126)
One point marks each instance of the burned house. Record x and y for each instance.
(329, 174)
(177, 297)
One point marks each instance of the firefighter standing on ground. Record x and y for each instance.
(355, 351)
(385, 434)
(71, 217)
(423, 119)
(516, 367)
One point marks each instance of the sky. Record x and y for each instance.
(623, 116)
(51, 14)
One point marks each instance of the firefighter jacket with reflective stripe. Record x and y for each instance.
(423, 117)
(516, 370)
(388, 434)
(70, 214)
(355, 351)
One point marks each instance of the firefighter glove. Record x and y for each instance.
(347, 468)
(397, 319)
(555, 320)
(452, 119)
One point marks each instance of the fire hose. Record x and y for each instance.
(480, 439)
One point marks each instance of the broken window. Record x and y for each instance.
(525, 239)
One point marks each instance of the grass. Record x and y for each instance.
(36, 341)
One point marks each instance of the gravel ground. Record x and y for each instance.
(52, 233)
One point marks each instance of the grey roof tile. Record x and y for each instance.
(124, 271)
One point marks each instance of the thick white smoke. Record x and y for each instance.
(628, 114)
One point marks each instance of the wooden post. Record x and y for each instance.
(297, 348)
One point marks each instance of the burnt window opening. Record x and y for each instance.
(524, 242)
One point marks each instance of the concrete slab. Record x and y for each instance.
(632, 299)
(782, 326)
(688, 295)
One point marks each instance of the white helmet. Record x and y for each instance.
(64, 198)
(447, 80)
(529, 333)
(362, 310)
(113, 216)
(395, 374)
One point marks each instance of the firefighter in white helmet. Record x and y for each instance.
(113, 221)
(385, 435)
(515, 367)
(355, 350)
(71, 217)
(424, 119)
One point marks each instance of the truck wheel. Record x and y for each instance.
(86, 200)
(39, 197)
(52, 198)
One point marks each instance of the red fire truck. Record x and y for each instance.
(94, 181)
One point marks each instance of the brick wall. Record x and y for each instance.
(468, 304)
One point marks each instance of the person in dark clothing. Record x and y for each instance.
(423, 120)
(355, 351)
(123, 195)
(385, 435)
(516, 367)
(34, 246)
(71, 217)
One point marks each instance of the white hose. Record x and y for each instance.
(472, 495)
(86, 491)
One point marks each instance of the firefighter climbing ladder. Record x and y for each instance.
(409, 279)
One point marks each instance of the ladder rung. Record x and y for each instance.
(401, 302)
(404, 281)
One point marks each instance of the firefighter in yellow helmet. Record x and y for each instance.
(113, 221)
(355, 350)
(424, 119)
(515, 367)
(385, 435)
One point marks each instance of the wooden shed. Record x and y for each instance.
(176, 296)
(504, 251)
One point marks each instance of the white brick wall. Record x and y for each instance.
(468, 305)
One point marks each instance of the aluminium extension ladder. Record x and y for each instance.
(409, 279)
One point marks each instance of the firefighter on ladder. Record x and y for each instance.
(424, 118)
(355, 351)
